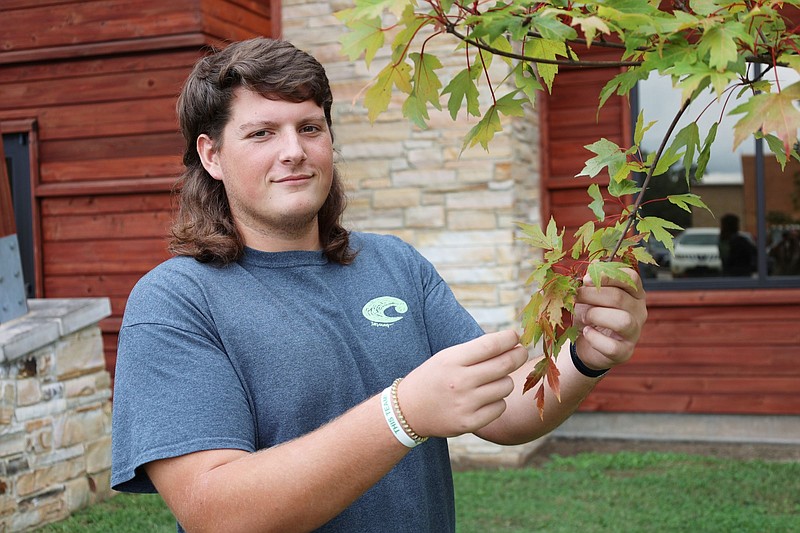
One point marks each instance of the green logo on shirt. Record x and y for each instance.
(375, 310)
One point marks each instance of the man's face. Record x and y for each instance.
(275, 160)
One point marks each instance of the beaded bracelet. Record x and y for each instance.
(406, 427)
(395, 419)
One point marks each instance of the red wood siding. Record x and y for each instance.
(728, 351)
(99, 81)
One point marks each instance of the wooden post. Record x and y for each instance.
(13, 302)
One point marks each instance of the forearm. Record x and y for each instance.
(296, 486)
(520, 422)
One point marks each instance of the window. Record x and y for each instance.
(753, 237)
(16, 148)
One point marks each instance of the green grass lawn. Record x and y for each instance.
(648, 492)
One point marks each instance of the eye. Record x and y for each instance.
(310, 128)
(259, 133)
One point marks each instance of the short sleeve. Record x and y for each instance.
(175, 390)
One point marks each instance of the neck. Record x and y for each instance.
(287, 240)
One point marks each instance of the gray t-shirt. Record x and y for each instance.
(270, 348)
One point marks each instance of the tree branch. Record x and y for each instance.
(646, 182)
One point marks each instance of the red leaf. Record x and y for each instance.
(552, 379)
(540, 400)
(535, 376)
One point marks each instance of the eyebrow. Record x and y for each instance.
(272, 124)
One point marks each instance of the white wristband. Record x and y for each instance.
(391, 419)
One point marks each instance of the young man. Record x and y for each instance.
(254, 383)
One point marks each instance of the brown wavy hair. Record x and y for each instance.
(204, 227)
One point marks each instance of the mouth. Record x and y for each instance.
(293, 178)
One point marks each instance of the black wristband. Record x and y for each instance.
(581, 366)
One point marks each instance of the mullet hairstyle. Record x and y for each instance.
(204, 227)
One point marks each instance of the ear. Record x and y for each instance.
(209, 156)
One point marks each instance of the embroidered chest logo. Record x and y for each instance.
(375, 311)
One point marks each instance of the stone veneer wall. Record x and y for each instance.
(55, 413)
(456, 208)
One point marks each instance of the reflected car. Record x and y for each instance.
(696, 252)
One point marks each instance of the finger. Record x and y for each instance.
(487, 346)
(636, 289)
(614, 350)
(613, 297)
(618, 321)
(499, 366)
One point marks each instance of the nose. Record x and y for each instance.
(292, 150)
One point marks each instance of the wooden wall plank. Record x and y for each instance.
(96, 21)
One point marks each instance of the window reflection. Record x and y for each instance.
(724, 244)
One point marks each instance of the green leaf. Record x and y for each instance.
(525, 80)
(622, 83)
(641, 128)
(705, 153)
(462, 89)
(597, 202)
(427, 84)
(415, 110)
(720, 43)
(658, 228)
(546, 49)
(609, 269)
(684, 201)
(608, 155)
(621, 188)
(533, 235)
(365, 36)
(485, 129)
(776, 147)
(377, 97)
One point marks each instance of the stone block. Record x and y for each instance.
(43, 479)
(470, 220)
(40, 410)
(8, 505)
(397, 197)
(424, 178)
(77, 494)
(28, 391)
(81, 426)
(80, 353)
(98, 455)
(12, 441)
(425, 217)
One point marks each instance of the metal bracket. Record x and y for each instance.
(13, 302)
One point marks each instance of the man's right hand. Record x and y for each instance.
(462, 388)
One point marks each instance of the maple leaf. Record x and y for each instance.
(685, 200)
(365, 36)
(770, 113)
(608, 155)
(540, 401)
(462, 89)
(590, 26)
(720, 43)
(597, 270)
(484, 130)
(546, 49)
(539, 370)
(597, 201)
(378, 96)
(658, 228)
(552, 379)
(427, 84)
